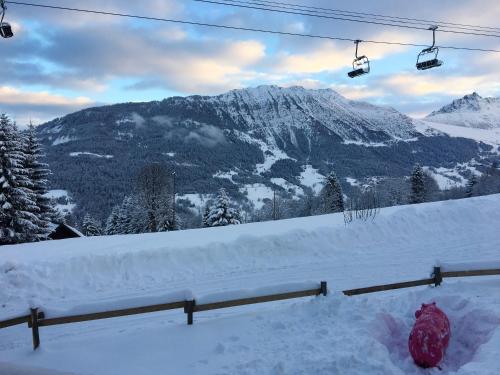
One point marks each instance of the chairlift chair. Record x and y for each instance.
(5, 28)
(360, 65)
(428, 57)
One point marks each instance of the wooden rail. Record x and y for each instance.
(491, 272)
(380, 288)
(14, 321)
(110, 314)
(191, 307)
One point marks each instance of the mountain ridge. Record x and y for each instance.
(472, 111)
(263, 138)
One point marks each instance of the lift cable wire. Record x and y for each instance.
(353, 14)
(349, 19)
(228, 27)
(359, 14)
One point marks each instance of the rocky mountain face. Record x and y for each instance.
(249, 141)
(471, 111)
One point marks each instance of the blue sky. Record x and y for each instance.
(59, 62)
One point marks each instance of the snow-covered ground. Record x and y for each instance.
(64, 203)
(488, 136)
(85, 153)
(320, 335)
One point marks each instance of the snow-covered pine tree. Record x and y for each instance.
(111, 223)
(18, 223)
(417, 180)
(221, 214)
(206, 214)
(471, 184)
(332, 196)
(90, 226)
(38, 174)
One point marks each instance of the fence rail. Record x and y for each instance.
(37, 318)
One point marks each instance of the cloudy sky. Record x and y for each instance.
(60, 61)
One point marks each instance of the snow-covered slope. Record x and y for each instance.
(336, 334)
(471, 111)
(277, 110)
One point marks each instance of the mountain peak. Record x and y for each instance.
(470, 111)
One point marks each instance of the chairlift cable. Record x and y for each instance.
(333, 10)
(400, 20)
(228, 27)
(348, 19)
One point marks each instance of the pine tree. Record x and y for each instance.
(206, 214)
(221, 214)
(18, 222)
(111, 222)
(332, 196)
(469, 190)
(38, 173)
(90, 226)
(417, 179)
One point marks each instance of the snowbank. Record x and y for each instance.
(73, 272)
(117, 304)
(328, 335)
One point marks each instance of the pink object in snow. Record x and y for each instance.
(430, 336)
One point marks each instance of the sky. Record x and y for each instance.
(59, 61)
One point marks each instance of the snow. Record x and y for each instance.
(57, 193)
(63, 139)
(352, 181)
(256, 193)
(314, 335)
(311, 178)
(64, 208)
(73, 154)
(471, 111)
(288, 186)
(227, 175)
(488, 136)
(197, 200)
(366, 144)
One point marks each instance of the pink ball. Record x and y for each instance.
(430, 336)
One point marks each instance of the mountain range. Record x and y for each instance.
(250, 141)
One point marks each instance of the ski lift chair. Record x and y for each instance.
(360, 65)
(428, 57)
(5, 28)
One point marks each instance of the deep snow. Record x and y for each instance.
(322, 335)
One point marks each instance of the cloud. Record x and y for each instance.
(10, 95)
(207, 135)
(420, 85)
(38, 106)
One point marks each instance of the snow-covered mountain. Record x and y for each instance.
(471, 111)
(249, 141)
(273, 110)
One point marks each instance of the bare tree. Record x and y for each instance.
(364, 207)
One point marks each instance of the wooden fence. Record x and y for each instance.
(37, 318)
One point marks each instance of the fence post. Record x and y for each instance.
(34, 328)
(438, 278)
(189, 309)
(323, 288)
